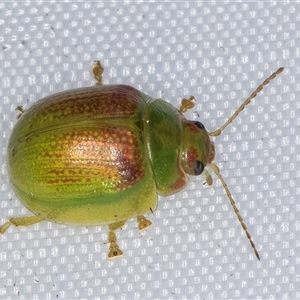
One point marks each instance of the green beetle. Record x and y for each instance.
(100, 155)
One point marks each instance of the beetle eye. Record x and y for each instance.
(199, 167)
(199, 125)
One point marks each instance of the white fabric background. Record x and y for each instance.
(218, 52)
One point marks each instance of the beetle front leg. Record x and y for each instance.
(187, 104)
(20, 221)
(143, 223)
(97, 70)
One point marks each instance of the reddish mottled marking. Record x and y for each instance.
(96, 102)
(179, 184)
(192, 156)
(211, 153)
(110, 153)
(193, 127)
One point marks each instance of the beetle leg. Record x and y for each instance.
(116, 225)
(143, 222)
(114, 250)
(187, 104)
(97, 71)
(20, 221)
(21, 110)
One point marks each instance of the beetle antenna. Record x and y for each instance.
(246, 102)
(216, 170)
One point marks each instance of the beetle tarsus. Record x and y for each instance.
(4, 227)
(98, 72)
(114, 250)
(143, 223)
(21, 110)
(187, 104)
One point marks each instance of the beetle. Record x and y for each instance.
(101, 154)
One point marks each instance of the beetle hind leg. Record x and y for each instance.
(20, 221)
(143, 223)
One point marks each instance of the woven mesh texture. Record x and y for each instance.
(218, 52)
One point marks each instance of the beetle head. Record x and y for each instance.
(198, 150)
